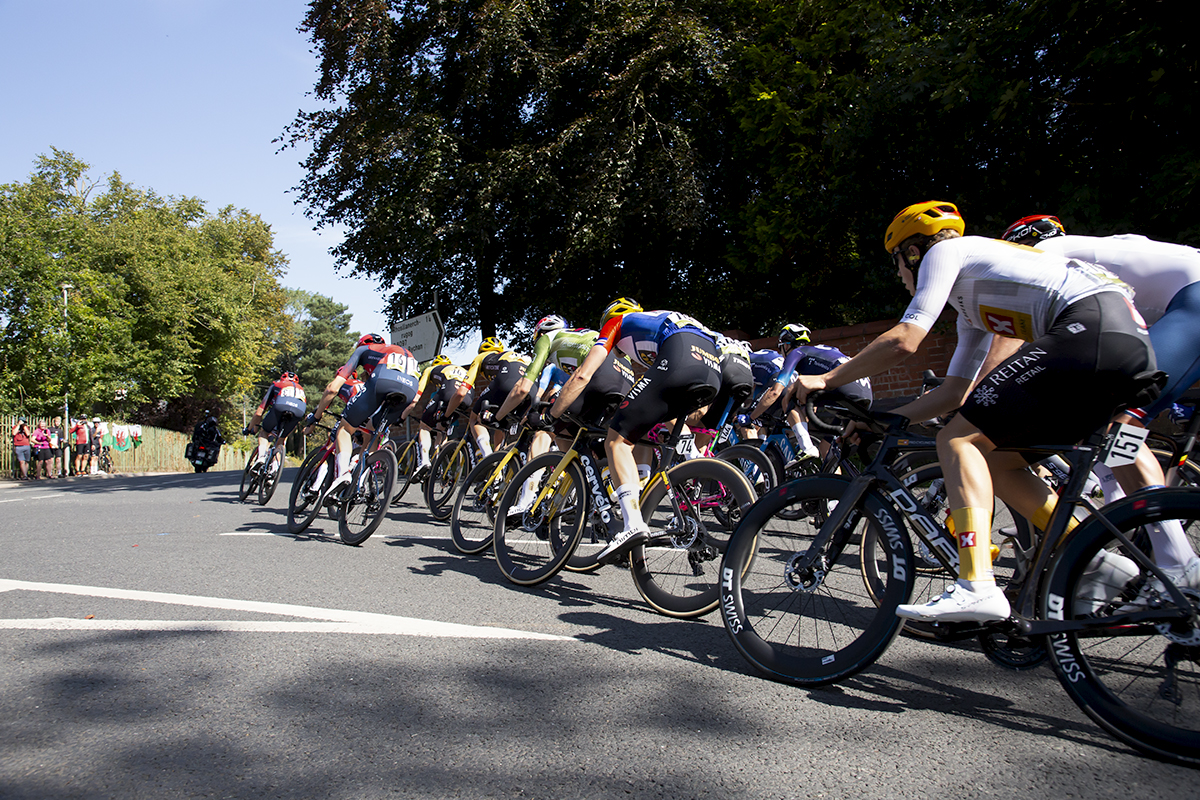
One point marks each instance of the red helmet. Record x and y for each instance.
(1033, 229)
(370, 338)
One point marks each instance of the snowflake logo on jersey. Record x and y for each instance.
(986, 396)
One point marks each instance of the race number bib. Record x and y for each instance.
(1123, 447)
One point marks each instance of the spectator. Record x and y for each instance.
(41, 451)
(97, 436)
(20, 434)
(79, 437)
(58, 440)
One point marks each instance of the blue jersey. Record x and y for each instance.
(765, 365)
(639, 335)
(817, 359)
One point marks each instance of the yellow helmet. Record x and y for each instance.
(491, 345)
(619, 308)
(925, 219)
(440, 360)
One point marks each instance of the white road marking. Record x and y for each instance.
(27, 497)
(335, 620)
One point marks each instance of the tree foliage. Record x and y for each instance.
(166, 301)
(735, 159)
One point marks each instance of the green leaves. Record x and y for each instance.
(166, 300)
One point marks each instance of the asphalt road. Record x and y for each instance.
(159, 639)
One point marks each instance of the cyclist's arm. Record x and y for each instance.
(459, 394)
(768, 398)
(329, 395)
(579, 379)
(938, 401)
(884, 352)
(515, 397)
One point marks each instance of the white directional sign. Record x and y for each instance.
(422, 335)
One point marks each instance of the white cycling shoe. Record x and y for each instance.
(1103, 582)
(622, 543)
(961, 603)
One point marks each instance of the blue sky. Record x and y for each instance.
(184, 97)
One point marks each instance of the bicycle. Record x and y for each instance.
(452, 462)
(262, 476)
(364, 500)
(473, 516)
(806, 604)
(311, 483)
(106, 462)
(691, 508)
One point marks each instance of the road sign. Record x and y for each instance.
(423, 335)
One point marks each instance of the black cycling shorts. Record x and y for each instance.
(737, 384)
(1060, 388)
(384, 384)
(685, 376)
(284, 415)
(441, 399)
(494, 395)
(605, 391)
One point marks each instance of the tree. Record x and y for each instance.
(168, 301)
(515, 158)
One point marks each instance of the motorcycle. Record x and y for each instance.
(205, 447)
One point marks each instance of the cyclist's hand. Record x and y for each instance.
(805, 385)
(540, 420)
(246, 431)
(487, 417)
(851, 433)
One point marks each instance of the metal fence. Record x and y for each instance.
(160, 451)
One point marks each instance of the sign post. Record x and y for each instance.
(423, 335)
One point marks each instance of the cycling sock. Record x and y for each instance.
(320, 477)
(1171, 547)
(343, 463)
(1108, 482)
(1041, 517)
(485, 443)
(643, 472)
(627, 497)
(424, 439)
(263, 446)
(806, 442)
(973, 528)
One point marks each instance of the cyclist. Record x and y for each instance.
(1166, 282)
(556, 346)
(1086, 350)
(801, 357)
(441, 383)
(390, 370)
(492, 375)
(737, 385)
(281, 409)
(682, 372)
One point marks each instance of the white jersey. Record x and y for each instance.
(998, 288)
(1155, 270)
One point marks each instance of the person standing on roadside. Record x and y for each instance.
(79, 444)
(22, 448)
(41, 451)
(58, 441)
(95, 440)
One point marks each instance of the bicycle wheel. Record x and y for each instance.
(367, 500)
(304, 501)
(533, 547)
(406, 468)
(450, 466)
(677, 571)
(802, 615)
(249, 477)
(1139, 681)
(473, 518)
(274, 469)
(754, 464)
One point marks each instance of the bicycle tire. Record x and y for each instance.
(270, 480)
(754, 465)
(249, 483)
(536, 549)
(367, 500)
(447, 471)
(812, 628)
(304, 500)
(678, 571)
(1119, 676)
(406, 468)
(473, 518)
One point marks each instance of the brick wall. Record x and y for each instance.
(902, 380)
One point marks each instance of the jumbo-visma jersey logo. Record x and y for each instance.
(1007, 323)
